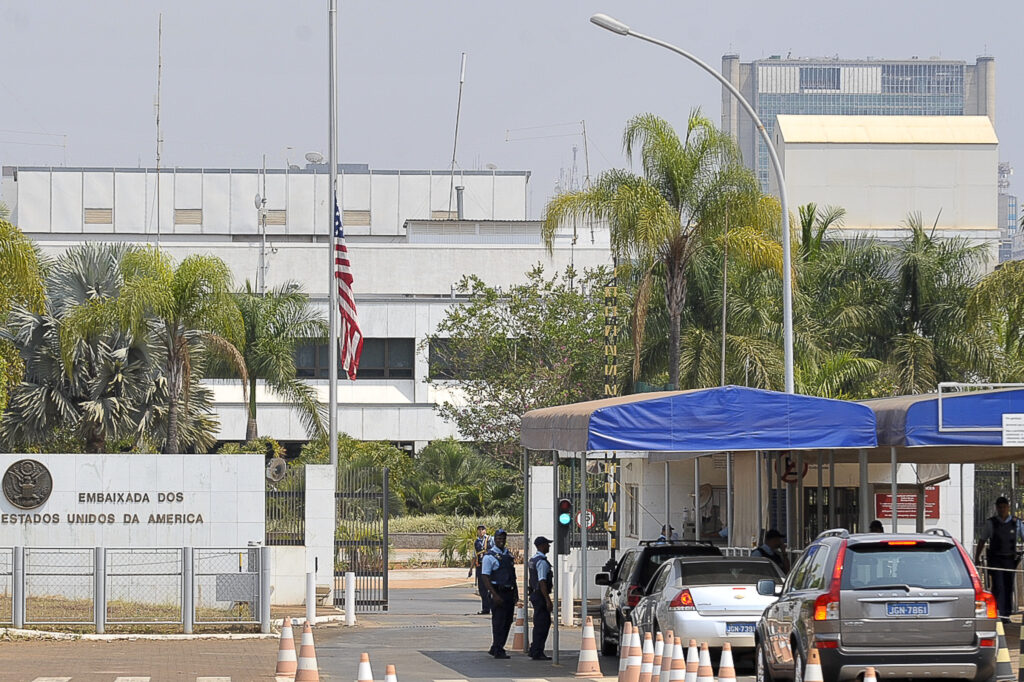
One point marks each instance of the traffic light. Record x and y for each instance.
(564, 524)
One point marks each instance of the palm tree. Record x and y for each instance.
(814, 227)
(660, 219)
(21, 284)
(996, 307)
(190, 313)
(275, 323)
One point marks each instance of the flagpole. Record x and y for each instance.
(332, 285)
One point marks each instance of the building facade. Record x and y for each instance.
(408, 247)
(1011, 237)
(914, 87)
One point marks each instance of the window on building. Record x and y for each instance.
(445, 360)
(819, 77)
(381, 359)
(277, 216)
(351, 218)
(633, 505)
(99, 216)
(188, 216)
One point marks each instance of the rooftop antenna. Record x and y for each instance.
(159, 139)
(455, 145)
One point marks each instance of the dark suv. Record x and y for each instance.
(630, 581)
(910, 605)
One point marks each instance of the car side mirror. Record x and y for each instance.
(603, 579)
(768, 588)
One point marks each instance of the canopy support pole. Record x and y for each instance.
(832, 489)
(820, 508)
(920, 509)
(584, 522)
(963, 507)
(668, 504)
(728, 499)
(696, 499)
(894, 489)
(798, 505)
(526, 544)
(865, 495)
(758, 457)
(555, 569)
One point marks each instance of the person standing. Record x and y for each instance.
(772, 548)
(480, 547)
(876, 527)
(1001, 532)
(540, 597)
(499, 575)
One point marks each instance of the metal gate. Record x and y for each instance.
(361, 536)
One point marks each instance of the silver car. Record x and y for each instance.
(710, 599)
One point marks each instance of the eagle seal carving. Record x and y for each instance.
(27, 484)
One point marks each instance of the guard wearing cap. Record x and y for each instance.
(482, 543)
(540, 597)
(499, 576)
(772, 548)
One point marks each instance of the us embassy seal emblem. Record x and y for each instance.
(27, 484)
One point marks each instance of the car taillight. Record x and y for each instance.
(682, 602)
(826, 606)
(901, 543)
(987, 642)
(633, 595)
(984, 602)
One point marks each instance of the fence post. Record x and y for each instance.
(99, 574)
(350, 598)
(265, 589)
(18, 588)
(187, 590)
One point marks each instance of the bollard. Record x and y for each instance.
(311, 598)
(18, 588)
(567, 598)
(265, 580)
(350, 598)
(99, 575)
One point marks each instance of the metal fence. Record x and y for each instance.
(361, 536)
(139, 586)
(286, 509)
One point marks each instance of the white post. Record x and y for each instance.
(350, 598)
(567, 596)
(99, 572)
(187, 591)
(18, 587)
(265, 580)
(311, 598)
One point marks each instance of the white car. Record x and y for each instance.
(709, 599)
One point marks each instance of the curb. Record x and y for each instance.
(73, 636)
(320, 620)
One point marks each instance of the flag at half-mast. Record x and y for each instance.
(351, 336)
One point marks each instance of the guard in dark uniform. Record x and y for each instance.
(499, 575)
(540, 598)
(1001, 532)
(480, 547)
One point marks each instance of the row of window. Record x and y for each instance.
(194, 216)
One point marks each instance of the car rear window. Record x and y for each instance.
(925, 565)
(727, 572)
(656, 557)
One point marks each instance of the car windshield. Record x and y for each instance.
(923, 565)
(736, 572)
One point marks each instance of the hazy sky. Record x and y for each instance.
(244, 78)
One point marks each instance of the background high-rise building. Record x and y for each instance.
(876, 87)
(1011, 236)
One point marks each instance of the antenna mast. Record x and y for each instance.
(159, 139)
(455, 145)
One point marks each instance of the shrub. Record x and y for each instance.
(446, 523)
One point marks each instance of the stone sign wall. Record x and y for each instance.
(131, 500)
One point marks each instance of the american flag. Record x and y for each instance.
(351, 335)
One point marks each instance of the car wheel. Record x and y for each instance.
(798, 666)
(608, 648)
(761, 671)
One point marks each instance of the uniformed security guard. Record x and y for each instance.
(480, 547)
(1001, 532)
(540, 597)
(499, 576)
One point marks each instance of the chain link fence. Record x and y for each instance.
(6, 585)
(144, 586)
(227, 586)
(59, 586)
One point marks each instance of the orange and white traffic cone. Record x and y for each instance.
(677, 671)
(389, 674)
(869, 675)
(588, 665)
(635, 658)
(625, 639)
(365, 674)
(666, 657)
(812, 671)
(692, 662)
(307, 670)
(659, 651)
(286, 660)
(726, 668)
(647, 659)
(517, 632)
(705, 673)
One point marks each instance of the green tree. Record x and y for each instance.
(453, 478)
(358, 454)
(814, 226)
(189, 311)
(508, 351)
(21, 284)
(275, 323)
(996, 311)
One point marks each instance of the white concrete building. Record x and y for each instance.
(408, 251)
(880, 168)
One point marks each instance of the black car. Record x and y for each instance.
(910, 605)
(630, 581)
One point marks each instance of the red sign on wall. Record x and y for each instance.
(907, 504)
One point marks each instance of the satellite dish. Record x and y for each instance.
(258, 201)
(314, 157)
(276, 469)
(705, 495)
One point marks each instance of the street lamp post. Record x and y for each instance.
(615, 26)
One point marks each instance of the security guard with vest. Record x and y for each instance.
(480, 547)
(499, 576)
(1001, 532)
(540, 598)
